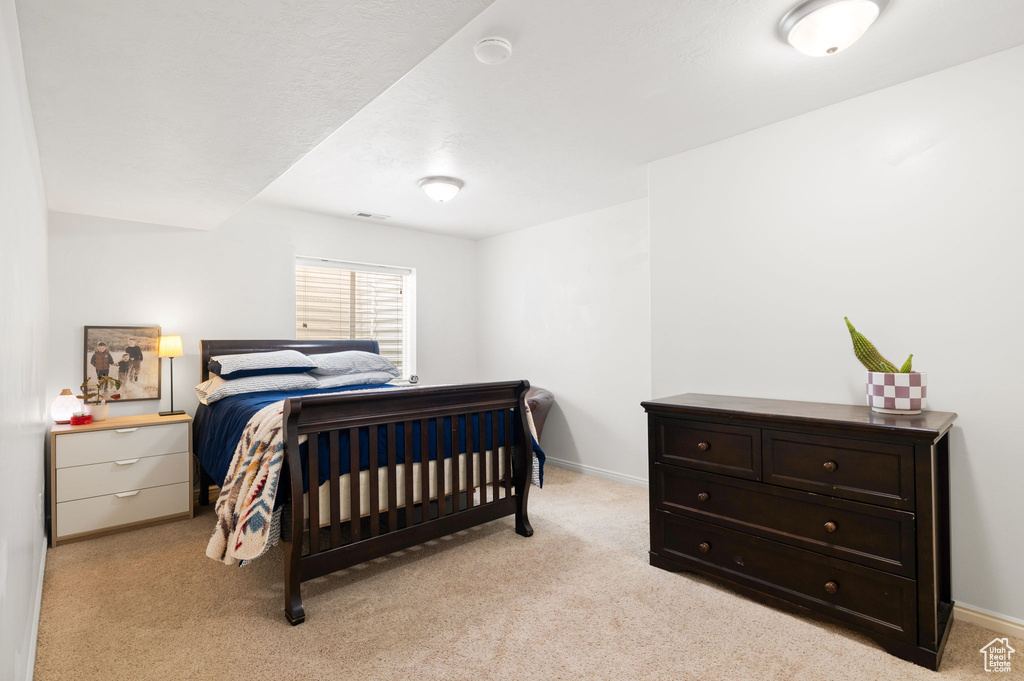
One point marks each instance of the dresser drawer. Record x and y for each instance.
(79, 482)
(97, 513)
(98, 446)
(873, 472)
(874, 600)
(713, 447)
(877, 537)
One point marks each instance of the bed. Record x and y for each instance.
(474, 439)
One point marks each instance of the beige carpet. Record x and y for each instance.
(576, 601)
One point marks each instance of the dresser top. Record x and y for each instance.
(115, 422)
(925, 424)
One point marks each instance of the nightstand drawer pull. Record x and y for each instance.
(831, 588)
(126, 462)
(122, 495)
(703, 496)
(830, 466)
(703, 446)
(831, 526)
(126, 430)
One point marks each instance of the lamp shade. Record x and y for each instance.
(64, 406)
(170, 346)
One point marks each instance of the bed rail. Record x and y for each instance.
(342, 544)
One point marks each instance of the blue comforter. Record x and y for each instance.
(219, 426)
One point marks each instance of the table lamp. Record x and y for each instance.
(64, 406)
(170, 346)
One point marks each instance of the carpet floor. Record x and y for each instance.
(578, 600)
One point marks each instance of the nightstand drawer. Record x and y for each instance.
(98, 513)
(80, 482)
(82, 449)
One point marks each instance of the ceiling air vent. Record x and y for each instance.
(371, 216)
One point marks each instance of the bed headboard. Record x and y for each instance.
(213, 348)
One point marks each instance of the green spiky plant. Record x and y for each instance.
(870, 357)
(102, 390)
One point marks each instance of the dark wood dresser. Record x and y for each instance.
(830, 508)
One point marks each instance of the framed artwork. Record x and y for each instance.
(127, 353)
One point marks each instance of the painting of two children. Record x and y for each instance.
(130, 351)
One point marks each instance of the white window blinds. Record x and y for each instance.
(351, 301)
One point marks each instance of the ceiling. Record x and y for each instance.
(595, 90)
(179, 112)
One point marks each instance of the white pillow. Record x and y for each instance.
(217, 388)
(351, 362)
(368, 378)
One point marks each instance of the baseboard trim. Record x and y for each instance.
(35, 617)
(633, 480)
(999, 623)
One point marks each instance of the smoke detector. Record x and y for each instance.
(493, 51)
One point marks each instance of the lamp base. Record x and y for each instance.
(170, 413)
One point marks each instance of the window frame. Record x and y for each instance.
(408, 298)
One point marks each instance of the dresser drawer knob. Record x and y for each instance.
(125, 430)
(830, 466)
(126, 462)
(831, 588)
(831, 526)
(704, 547)
(703, 496)
(703, 446)
(122, 495)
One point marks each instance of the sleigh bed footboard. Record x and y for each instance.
(438, 460)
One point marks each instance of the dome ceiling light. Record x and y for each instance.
(493, 51)
(441, 188)
(819, 28)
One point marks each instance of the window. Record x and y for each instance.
(336, 300)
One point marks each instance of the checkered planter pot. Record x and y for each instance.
(897, 393)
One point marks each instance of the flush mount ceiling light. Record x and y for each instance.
(819, 28)
(441, 188)
(493, 51)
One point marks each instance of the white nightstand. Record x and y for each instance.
(119, 474)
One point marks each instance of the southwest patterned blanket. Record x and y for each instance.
(247, 525)
(245, 507)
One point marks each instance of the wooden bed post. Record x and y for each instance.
(522, 459)
(292, 472)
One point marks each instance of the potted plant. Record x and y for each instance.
(96, 392)
(889, 390)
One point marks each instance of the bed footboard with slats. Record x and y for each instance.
(465, 485)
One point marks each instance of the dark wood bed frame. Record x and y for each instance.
(382, 532)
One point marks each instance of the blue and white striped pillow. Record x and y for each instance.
(260, 364)
(217, 388)
(369, 378)
(352, 362)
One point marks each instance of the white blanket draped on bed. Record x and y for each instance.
(247, 525)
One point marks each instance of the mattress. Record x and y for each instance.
(382, 486)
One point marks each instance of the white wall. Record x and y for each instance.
(23, 337)
(565, 305)
(902, 209)
(238, 281)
